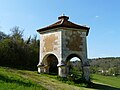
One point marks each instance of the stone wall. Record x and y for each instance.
(50, 43)
(74, 42)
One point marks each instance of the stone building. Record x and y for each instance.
(59, 43)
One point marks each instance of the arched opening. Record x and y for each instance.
(50, 62)
(74, 66)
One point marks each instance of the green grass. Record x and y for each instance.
(10, 80)
(13, 79)
(107, 80)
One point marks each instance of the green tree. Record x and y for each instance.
(2, 35)
(19, 53)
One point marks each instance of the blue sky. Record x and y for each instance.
(103, 17)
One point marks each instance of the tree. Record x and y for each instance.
(2, 35)
(17, 52)
(109, 66)
(17, 32)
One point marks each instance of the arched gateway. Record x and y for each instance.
(60, 42)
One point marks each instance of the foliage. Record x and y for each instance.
(75, 75)
(105, 66)
(75, 71)
(17, 52)
(2, 36)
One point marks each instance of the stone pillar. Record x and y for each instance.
(46, 69)
(61, 69)
(86, 73)
(40, 68)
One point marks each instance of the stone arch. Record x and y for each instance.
(79, 62)
(50, 62)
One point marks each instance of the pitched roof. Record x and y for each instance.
(63, 22)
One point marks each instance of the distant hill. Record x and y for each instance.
(108, 65)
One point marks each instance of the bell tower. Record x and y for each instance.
(60, 42)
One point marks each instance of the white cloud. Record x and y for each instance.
(97, 16)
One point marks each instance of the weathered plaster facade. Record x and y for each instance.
(63, 40)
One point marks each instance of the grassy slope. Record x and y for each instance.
(13, 79)
(108, 80)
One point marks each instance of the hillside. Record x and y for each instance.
(29, 80)
(14, 79)
(106, 66)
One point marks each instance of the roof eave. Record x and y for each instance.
(42, 29)
(87, 31)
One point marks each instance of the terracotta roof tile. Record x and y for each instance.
(63, 22)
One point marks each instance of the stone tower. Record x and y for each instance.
(59, 43)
